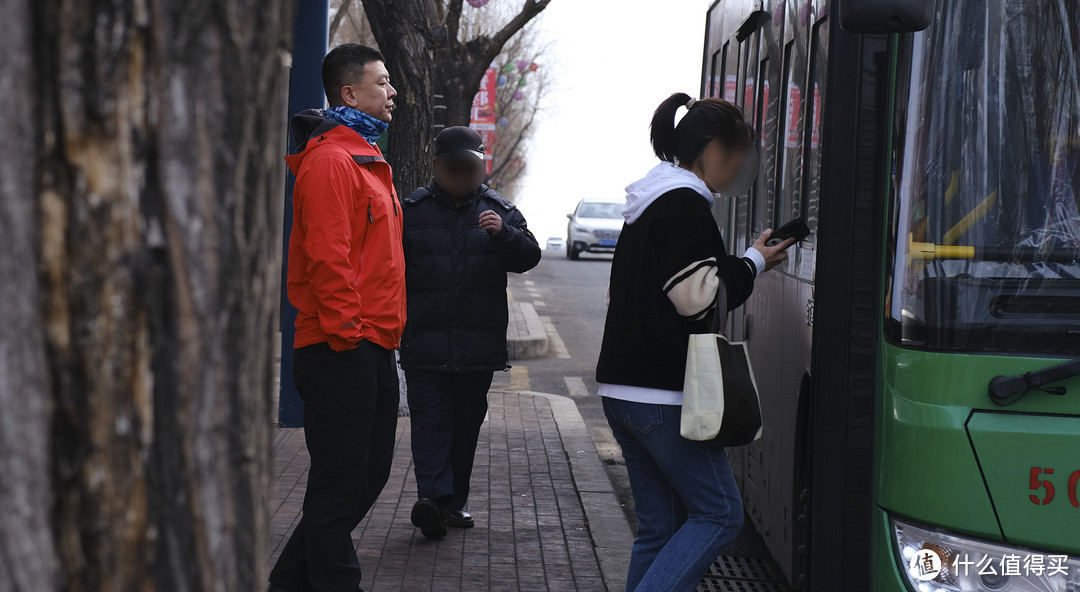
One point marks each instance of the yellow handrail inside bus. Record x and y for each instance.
(965, 224)
(953, 188)
(926, 251)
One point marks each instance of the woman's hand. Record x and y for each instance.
(773, 255)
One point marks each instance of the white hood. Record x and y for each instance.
(662, 178)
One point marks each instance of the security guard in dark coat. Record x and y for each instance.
(461, 238)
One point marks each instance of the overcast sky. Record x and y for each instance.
(614, 61)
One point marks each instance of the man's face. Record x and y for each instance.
(373, 93)
(459, 175)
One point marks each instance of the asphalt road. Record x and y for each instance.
(571, 297)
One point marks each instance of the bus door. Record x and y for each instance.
(743, 93)
(739, 90)
(760, 34)
(724, 66)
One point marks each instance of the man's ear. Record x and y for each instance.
(348, 97)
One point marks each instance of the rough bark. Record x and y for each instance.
(145, 215)
(406, 40)
(27, 551)
(425, 56)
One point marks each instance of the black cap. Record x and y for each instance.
(459, 140)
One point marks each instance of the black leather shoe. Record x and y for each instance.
(458, 518)
(428, 517)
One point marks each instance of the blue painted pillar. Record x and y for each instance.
(305, 92)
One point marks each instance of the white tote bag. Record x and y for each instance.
(720, 396)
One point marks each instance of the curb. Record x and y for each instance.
(534, 344)
(608, 527)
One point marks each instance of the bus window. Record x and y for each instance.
(744, 98)
(988, 225)
(748, 60)
(818, 67)
(719, 60)
(765, 121)
(790, 138)
(731, 72)
(738, 204)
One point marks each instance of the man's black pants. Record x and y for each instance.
(350, 421)
(446, 411)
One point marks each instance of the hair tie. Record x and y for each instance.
(690, 103)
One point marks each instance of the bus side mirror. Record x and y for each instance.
(570, 216)
(886, 16)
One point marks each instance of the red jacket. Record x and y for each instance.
(346, 266)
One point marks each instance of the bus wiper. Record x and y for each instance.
(1006, 390)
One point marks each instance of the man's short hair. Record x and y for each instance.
(345, 65)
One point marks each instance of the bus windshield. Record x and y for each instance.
(987, 227)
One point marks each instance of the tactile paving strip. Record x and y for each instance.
(742, 574)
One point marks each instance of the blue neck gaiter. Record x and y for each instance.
(358, 121)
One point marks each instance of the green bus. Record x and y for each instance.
(916, 354)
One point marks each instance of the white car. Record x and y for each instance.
(556, 243)
(594, 226)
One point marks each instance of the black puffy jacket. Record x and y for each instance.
(455, 279)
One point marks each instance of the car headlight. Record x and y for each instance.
(580, 228)
(934, 561)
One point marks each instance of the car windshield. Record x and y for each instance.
(987, 233)
(597, 209)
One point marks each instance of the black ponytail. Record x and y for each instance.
(706, 119)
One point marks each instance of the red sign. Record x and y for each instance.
(793, 105)
(815, 131)
(730, 84)
(748, 99)
(483, 113)
(764, 108)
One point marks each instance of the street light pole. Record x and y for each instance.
(310, 40)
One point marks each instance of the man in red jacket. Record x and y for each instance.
(347, 280)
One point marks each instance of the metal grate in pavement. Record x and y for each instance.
(740, 586)
(742, 574)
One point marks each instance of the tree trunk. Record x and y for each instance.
(424, 57)
(141, 213)
(406, 48)
(458, 91)
(27, 552)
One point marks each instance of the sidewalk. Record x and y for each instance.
(525, 335)
(537, 488)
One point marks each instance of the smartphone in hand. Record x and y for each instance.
(795, 229)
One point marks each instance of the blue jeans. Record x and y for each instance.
(687, 504)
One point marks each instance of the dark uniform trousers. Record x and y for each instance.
(446, 410)
(350, 423)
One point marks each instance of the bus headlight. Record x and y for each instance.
(934, 561)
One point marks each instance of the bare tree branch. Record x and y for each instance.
(528, 12)
(513, 148)
(357, 27)
(345, 8)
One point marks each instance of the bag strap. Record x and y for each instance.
(719, 315)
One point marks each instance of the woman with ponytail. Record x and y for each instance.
(668, 267)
